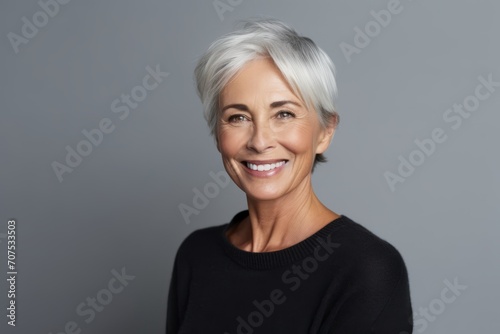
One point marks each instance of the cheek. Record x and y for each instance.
(230, 141)
(298, 139)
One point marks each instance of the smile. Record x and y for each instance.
(265, 167)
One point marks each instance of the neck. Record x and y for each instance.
(281, 223)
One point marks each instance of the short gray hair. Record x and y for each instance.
(305, 66)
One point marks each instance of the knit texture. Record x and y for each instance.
(342, 279)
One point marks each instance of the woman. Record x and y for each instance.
(288, 264)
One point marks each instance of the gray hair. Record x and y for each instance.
(306, 68)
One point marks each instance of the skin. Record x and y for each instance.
(283, 208)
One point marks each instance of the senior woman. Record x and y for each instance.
(288, 264)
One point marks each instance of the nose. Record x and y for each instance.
(262, 137)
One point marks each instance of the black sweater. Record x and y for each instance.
(342, 279)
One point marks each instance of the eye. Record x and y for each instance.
(238, 118)
(284, 114)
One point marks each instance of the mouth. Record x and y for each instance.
(264, 166)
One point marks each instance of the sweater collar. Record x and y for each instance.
(283, 257)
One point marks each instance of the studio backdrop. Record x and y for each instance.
(107, 163)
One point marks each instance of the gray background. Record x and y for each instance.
(120, 207)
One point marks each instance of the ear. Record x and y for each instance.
(326, 134)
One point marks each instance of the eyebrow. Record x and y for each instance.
(275, 104)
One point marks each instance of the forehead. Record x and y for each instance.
(259, 78)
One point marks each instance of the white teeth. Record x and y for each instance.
(265, 167)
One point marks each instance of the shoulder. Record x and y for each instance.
(205, 241)
(374, 281)
(201, 244)
(200, 239)
(373, 259)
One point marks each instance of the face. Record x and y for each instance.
(267, 137)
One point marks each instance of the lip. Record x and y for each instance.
(264, 173)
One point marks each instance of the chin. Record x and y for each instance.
(260, 194)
